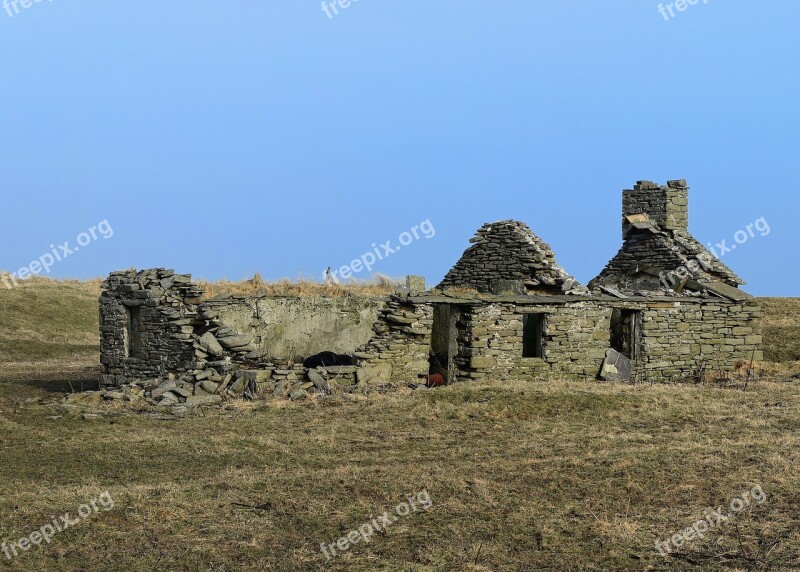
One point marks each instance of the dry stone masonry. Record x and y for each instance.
(658, 252)
(506, 252)
(662, 309)
(147, 321)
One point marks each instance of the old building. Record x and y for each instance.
(662, 309)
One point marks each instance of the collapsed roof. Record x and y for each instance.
(508, 252)
(659, 254)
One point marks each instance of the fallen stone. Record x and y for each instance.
(225, 331)
(256, 355)
(204, 375)
(255, 375)
(198, 390)
(85, 397)
(198, 400)
(319, 380)
(169, 399)
(179, 410)
(378, 373)
(223, 365)
(225, 383)
(616, 367)
(209, 386)
(244, 349)
(182, 392)
(334, 370)
(211, 344)
(159, 391)
(298, 394)
(238, 387)
(281, 389)
(238, 341)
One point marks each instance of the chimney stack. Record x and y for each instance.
(666, 206)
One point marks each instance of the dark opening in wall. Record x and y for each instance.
(626, 332)
(133, 338)
(532, 335)
(444, 343)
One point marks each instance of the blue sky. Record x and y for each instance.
(225, 139)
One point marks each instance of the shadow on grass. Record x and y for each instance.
(25, 381)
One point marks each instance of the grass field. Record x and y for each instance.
(781, 329)
(545, 476)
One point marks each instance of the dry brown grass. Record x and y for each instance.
(523, 476)
(91, 285)
(45, 319)
(538, 476)
(781, 329)
(379, 286)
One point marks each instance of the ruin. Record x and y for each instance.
(662, 309)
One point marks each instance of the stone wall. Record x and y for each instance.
(290, 326)
(159, 337)
(576, 336)
(668, 206)
(679, 337)
(146, 323)
(400, 349)
(158, 334)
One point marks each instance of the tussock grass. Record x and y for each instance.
(523, 476)
(537, 476)
(378, 286)
(781, 329)
(49, 319)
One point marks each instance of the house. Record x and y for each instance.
(663, 308)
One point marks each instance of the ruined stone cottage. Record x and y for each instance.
(663, 308)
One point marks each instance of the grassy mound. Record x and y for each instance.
(49, 320)
(781, 329)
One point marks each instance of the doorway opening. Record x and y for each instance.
(444, 340)
(626, 327)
